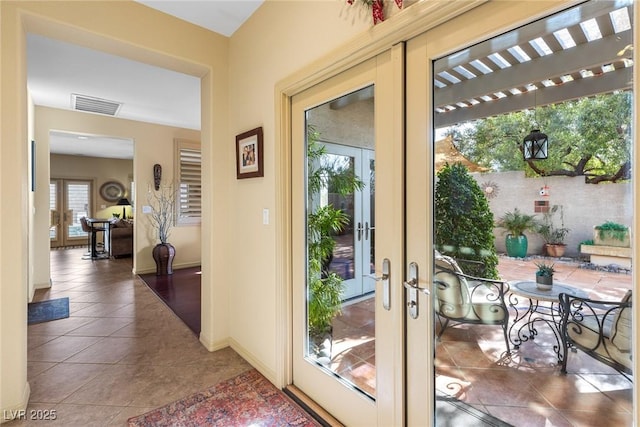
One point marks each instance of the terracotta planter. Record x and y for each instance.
(163, 254)
(555, 250)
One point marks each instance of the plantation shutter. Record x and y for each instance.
(190, 190)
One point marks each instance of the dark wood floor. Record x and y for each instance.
(180, 291)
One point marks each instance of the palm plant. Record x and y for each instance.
(323, 222)
(515, 224)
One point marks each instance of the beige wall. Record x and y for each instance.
(280, 38)
(137, 32)
(584, 205)
(152, 144)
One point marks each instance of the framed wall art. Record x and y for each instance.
(249, 161)
(112, 191)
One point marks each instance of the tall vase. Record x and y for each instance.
(163, 254)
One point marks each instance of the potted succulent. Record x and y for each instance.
(552, 235)
(515, 224)
(544, 276)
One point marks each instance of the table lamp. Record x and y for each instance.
(124, 202)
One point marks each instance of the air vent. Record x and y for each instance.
(94, 105)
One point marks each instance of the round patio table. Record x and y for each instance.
(543, 309)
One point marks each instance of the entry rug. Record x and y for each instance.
(44, 311)
(246, 400)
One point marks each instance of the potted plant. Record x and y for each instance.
(612, 234)
(162, 203)
(552, 235)
(515, 224)
(323, 223)
(544, 276)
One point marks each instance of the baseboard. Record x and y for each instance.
(17, 411)
(175, 267)
(253, 361)
(211, 345)
(309, 405)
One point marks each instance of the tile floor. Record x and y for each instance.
(525, 389)
(121, 352)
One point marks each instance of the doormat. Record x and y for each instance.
(45, 311)
(246, 400)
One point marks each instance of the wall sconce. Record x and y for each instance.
(535, 146)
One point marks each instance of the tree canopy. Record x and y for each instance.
(587, 137)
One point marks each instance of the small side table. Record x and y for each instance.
(543, 309)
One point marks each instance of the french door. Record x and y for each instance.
(403, 84)
(354, 371)
(353, 257)
(69, 200)
(434, 91)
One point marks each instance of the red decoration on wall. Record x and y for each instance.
(377, 8)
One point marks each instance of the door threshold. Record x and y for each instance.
(315, 410)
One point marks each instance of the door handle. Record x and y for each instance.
(386, 286)
(366, 230)
(412, 287)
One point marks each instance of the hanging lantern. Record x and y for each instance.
(535, 145)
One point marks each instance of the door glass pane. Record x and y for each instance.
(340, 169)
(53, 210)
(371, 193)
(77, 197)
(340, 307)
(501, 211)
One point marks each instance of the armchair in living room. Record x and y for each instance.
(122, 238)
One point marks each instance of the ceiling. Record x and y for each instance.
(56, 71)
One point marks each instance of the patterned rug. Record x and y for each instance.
(246, 400)
(45, 311)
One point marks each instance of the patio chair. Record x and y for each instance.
(467, 299)
(601, 329)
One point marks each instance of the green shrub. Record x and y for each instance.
(463, 221)
(613, 230)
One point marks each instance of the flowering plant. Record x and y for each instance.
(377, 8)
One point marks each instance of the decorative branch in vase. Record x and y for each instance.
(162, 204)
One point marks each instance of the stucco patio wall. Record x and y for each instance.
(584, 205)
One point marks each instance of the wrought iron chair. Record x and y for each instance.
(467, 299)
(601, 329)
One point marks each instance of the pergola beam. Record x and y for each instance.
(616, 80)
(582, 57)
